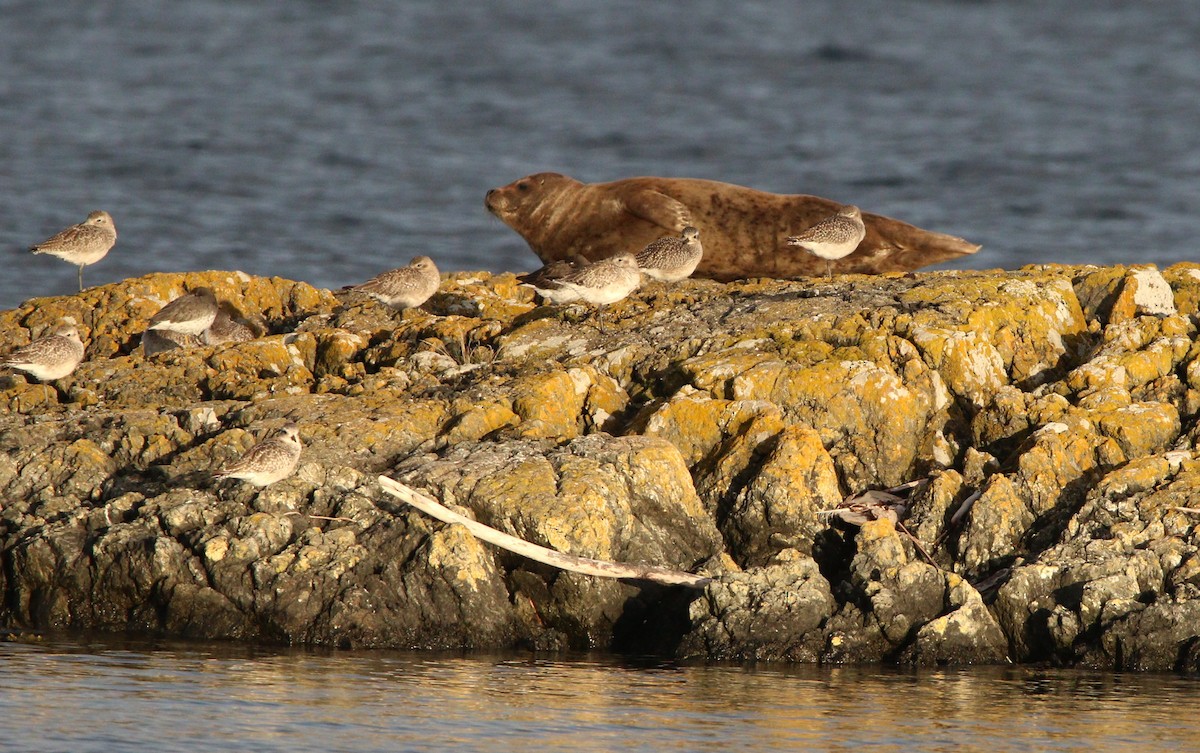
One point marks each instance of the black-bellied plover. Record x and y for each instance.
(227, 327)
(273, 459)
(834, 237)
(406, 287)
(607, 281)
(544, 280)
(82, 244)
(159, 340)
(189, 314)
(48, 358)
(672, 259)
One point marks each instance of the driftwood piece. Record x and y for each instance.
(585, 565)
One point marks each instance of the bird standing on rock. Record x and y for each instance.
(544, 279)
(271, 460)
(672, 259)
(834, 237)
(406, 287)
(82, 244)
(48, 358)
(606, 281)
(189, 314)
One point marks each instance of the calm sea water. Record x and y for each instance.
(329, 141)
(77, 697)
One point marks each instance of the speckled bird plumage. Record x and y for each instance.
(271, 460)
(82, 244)
(672, 258)
(606, 281)
(834, 237)
(406, 287)
(544, 280)
(48, 358)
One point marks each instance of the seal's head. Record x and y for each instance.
(523, 197)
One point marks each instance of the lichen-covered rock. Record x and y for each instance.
(627, 499)
(1119, 587)
(902, 608)
(1053, 411)
(774, 613)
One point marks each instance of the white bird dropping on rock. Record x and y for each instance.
(188, 314)
(271, 460)
(834, 237)
(406, 287)
(672, 259)
(48, 358)
(606, 281)
(82, 244)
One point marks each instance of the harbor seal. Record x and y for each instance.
(745, 231)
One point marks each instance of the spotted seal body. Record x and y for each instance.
(745, 231)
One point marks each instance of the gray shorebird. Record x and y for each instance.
(159, 340)
(226, 327)
(672, 259)
(834, 237)
(48, 358)
(606, 281)
(189, 314)
(82, 244)
(406, 287)
(544, 280)
(273, 459)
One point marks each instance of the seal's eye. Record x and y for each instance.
(522, 186)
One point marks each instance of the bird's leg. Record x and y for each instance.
(80, 278)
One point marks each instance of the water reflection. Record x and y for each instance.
(79, 696)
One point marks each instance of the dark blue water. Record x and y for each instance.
(329, 141)
(78, 697)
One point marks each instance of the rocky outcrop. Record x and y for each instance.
(1050, 414)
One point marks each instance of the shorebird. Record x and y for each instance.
(159, 340)
(189, 314)
(48, 358)
(544, 280)
(271, 460)
(406, 287)
(82, 244)
(834, 237)
(672, 259)
(606, 281)
(226, 327)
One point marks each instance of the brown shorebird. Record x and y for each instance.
(82, 244)
(158, 340)
(271, 460)
(544, 280)
(406, 287)
(834, 237)
(189, 314)
(48, 358)
(672, 259)
(227, 327)
(606, 281)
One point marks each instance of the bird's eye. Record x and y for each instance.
(522, 186)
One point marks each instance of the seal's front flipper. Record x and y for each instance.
(660, 209)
